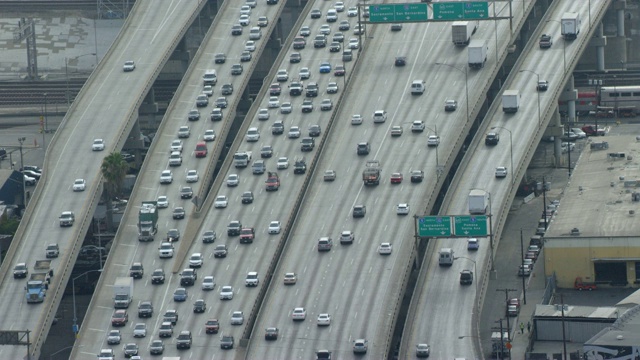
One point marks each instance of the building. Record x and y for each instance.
(11, 187)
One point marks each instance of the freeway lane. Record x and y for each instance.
(442, 298)
(101, 111)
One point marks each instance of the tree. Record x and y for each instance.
(114, 170)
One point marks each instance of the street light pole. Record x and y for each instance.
(46, 120)
(73, 289)
(538, 93)
(24, 184)
(466, 84)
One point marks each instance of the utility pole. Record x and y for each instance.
(524, 288)
(564, 339)
(24, 185)
(506, 300)
(499, 352)
(544, 203)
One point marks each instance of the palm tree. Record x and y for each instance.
(114, 170)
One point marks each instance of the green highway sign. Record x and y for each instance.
(468, 10)
(393, 13)
(471, 225)
(434, 226)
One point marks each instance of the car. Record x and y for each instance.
(304, 73)
(271, 333)
(400, 61)
(227, 89)
(335, 46)
(299, 314)
(423, 350)
(352, 11)
(339, 38)
(542, 85)
(524, 270)
(300, 166)
(263, 21)
(184, 132)
(294, 132)
(171, 316)
(305, 31)
(237, 318)
(178, 213)
(145, 310)
(32, 173)
(263, 114)
(531, 255)
(209, 135)
(329, 175)
(324, 320)
(360, 346)
(166, 327)
(236, 69)
(212, 326)
(119, 318)
(417, 126)
(274, 227)
(201, 101)
(114, 337)
(325, 29)
(282, 75)
(275, 89)
(247, 197)
(253, 135)
(379, 116)
(98, 145)
(307, 106)
(363, 148)
(199, 306)
(417, 176)
(106, 354)
(221, 103)
(220, 251)
(192, 176)
(176, 145)
(433, 140)
(545, 41)
(226, 342)
(290, 278)
(157, 276)
(359, 211)
(129, 65)
(501, 172)
(492, 138)
(130, 350)
(252, 3)
(79, 185)
(277, 128)
(226, 292)
(209, 236)
(245, 56)
(332, 15)
(247, 235)
(250, 45)
(236, 30)
(466, 277)
(396, 27)
(274, 102)
(473, 244)
(233, 180)
(344, 25)
(244, 20)
(385, 248)
(180, 294)
(140, 330)
(252, 279)
(356, 119)
(326, 105)
(184, 340)
(186, 192)
(195, 261)
(286, 108)
(266, 151)
(402, 209)
(315, 14)
(156, 347)
(295, 58)
(173, 235)
(325, 67)
(52, 251)
(136, 270)
(220, 202)
(245, 10)
(450, 105)
(219, 58)
(29, 181)
(325, 244)
(339, 71)
(347, 237)
(166, 250)
(332, 88)
(396, 178)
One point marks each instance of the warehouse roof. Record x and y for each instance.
(624, 332)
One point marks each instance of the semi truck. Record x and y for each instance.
(38, 282)
(148, 221)
(122, 292)
(461, 32)
(478, 201)
(241, 159)
(510, 101)
(477, 53)
(371, 173)
(570, 25)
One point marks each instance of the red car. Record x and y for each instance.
(120, 318)
(212, 326)
(339, 71)
(396, 178)
(247, 235)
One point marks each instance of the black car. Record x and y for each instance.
(157, 277)
(545, 41)
(173, 235)
(312, 90)
(359, 211)
(227, 89)
(226, 342)
(236, 69)
(314, 130)
(335, 47)
(316, 14)
(492, 138)
(178, 213)
(199, 306)
(188, 277)
(234, 227)
(136, 271)
(220, 58)
(271, 333)
(145, 309)
(295, 58)
(266, 151)
(209, 236)
(300, 166)
(186, 192)
(401, 61)
(236, 30)
(221, 102)
(220, 251)
(247, 197)
(277, 128)
(417, 176)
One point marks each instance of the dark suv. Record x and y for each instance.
(145, 309)
(363, 148)
(300, 166)
(359, 211)
(312, 90)
(492, 138)
(234, 227)
(184, 340)
(136, 270)
(188, 277)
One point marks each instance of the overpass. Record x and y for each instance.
(106, 108)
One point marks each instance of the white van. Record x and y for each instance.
(255, 33)
(210, 77)
(446, 257)
(417, 87)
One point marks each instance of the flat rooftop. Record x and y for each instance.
(598, 199)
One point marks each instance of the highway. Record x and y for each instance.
(227, 271)
(104, 109)
(442, 299)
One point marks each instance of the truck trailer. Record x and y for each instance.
(38, 282)
(148, 221)
(570, 25)
(477, 53)
(461, 32)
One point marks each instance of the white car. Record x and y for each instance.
(237, 318)
(274, 102)
(356, 119)
(354, 43)
(263, 114)
(208, 90)
(282, 75)
(325, 29)
(244, 19)
(402, 209)
(352, 11)
(286, 108)
(98, 145)
(250, 45)
(79, 185)
(434, 140)
(283, 163)
(114, 337)
(339, 6)
(195, 261)
(332, 88)
(209, 135)
(166, 177)
(253, 135)
(140, 330)
(417, 126)
(385, 248)
(184, 132)
(299, 314)
(129, 65)
(233, 180)
(166, 250)
(324, 320)
(379, 116)
(304, 73)
(29, 181)
(208, 283)
(294, 132)
(274, 227)
(226, 293)
(176, 145)
(245, 10)
(192, 176)
(221, 202)
(501, 172)
(163, 202)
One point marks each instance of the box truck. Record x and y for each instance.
(510, 101)
(570, 25)
(477, 53)
(461, 32)
(123, 292)
(478, 201)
